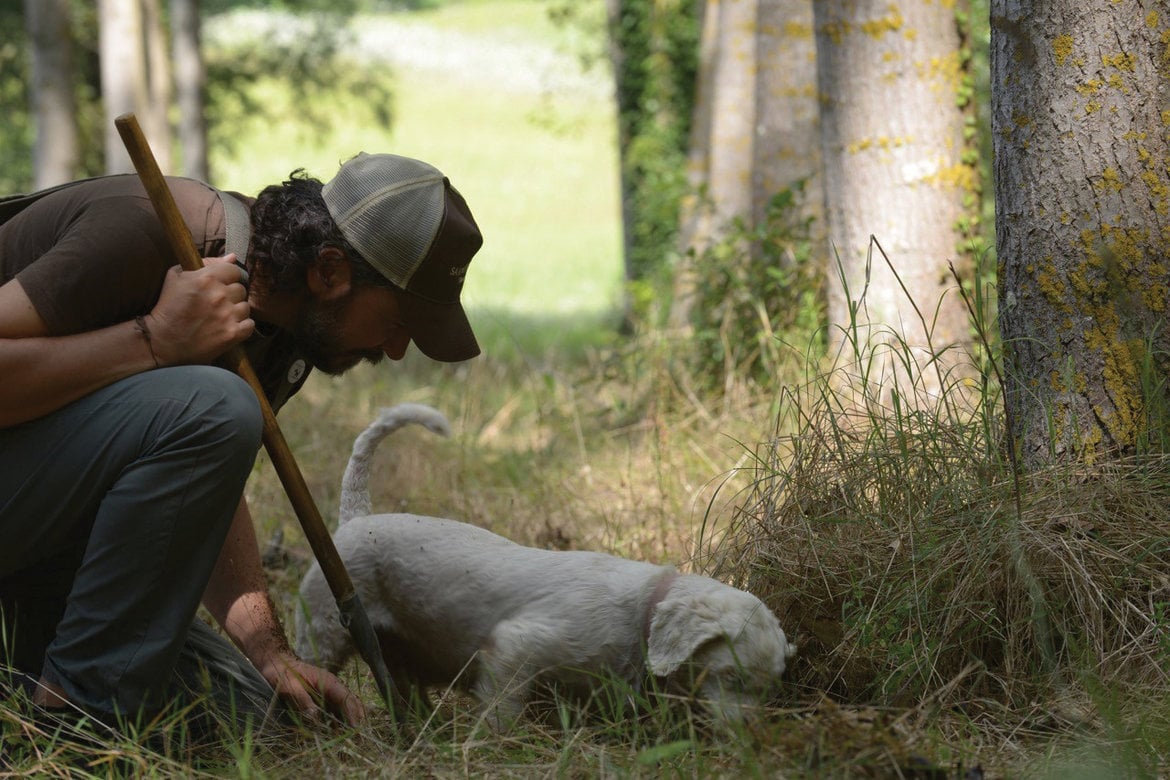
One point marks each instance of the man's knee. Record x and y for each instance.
(242, 409)
(225, 407)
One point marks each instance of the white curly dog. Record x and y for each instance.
(453, 604)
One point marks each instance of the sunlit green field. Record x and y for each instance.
(538, 166)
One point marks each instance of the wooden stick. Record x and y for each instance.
(353, 614)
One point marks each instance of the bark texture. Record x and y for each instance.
(722, 133)
(787, 146)
(1081, 124)
(892, 132)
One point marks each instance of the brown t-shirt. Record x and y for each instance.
(93, 254)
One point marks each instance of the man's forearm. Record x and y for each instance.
(237, 597)
(237, 594)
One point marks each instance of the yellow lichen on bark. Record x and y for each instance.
(1122, 61)
(1090, 87)
(1109, 181)
(881, 143)
(1119, 358)
(891, 22)
(1111, 274)
(798, 31)
(1052, 286)
(1087, 287)
(1090, 443)
(945, 72)
(1154, 296)
(1156, 184)
(960, 175)
(1095, 318)
(1122, 377)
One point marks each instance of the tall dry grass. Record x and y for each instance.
(924, 574)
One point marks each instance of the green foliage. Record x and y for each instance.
(344, 7)
(16, 133)
(659, 45)
(975, 29)
(760, 290)
(655, 46)
(312, 63)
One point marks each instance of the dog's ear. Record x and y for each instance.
(677, 631)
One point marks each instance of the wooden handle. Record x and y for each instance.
(183, 245)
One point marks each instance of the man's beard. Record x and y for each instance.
(316, 335)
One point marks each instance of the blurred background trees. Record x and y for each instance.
(53, 104)
(761, 144)
(79, 64)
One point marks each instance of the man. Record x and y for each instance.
(124, 450)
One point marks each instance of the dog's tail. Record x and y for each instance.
(355, 485)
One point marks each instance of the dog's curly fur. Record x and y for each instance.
(456, 604)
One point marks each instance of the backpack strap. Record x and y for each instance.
(237, 226)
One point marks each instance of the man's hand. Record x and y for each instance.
(237, 597)
(308, 688)
(200, 314)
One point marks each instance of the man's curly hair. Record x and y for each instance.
(290, 225)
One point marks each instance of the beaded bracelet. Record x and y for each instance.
(140, 326)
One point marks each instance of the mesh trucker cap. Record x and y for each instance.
(408, 222)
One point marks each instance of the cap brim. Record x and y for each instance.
(441, 331)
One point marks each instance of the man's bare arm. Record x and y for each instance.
(198, 316)
(55, 371)
(237, 597)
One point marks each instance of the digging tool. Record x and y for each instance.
(353, 614)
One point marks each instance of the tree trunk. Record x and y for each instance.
(56, 150)
(787, 147)
(156, 111)
(190, 83)
(693, 216)
(123, 72)
(1079, 120)
(889, 75)
(720, 164)
(733, 114)
(625, 105)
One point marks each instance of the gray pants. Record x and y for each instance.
(113, 511)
